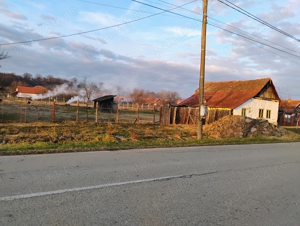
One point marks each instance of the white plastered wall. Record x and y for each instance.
(253, 105)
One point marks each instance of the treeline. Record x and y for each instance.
(165, 97)
(10, 81)
(83, 89)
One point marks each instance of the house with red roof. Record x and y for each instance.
(29, 92)
(289, 112)
(252, 98)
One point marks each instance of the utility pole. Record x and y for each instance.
(202, 71)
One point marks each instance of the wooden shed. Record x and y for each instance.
(106, 103)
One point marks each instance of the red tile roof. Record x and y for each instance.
(228, 94)
(31, 90)
(289, 103)
(149, 100)
(288, 106)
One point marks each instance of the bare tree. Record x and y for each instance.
(3, 56)
(137, 95)
(88, 90)
(169, 97)
(27, 76)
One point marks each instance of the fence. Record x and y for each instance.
(19, 110)
(185, 115)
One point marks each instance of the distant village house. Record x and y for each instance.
(29, 92)
(289, 113)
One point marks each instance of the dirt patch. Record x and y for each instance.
(234, 126)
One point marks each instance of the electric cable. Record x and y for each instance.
(89, 31)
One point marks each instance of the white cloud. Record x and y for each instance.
(13, 15)
(98, 18)
(183, 32)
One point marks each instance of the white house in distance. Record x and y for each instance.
(29, 92)
(252, 98)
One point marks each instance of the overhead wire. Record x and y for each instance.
(89, 31)
(220, 28)
(117, 7)
(247, 33)
(248, 14)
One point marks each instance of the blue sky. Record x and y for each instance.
(160, 52)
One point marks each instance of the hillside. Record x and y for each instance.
(9, 81)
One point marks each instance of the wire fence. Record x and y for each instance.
(21, 110)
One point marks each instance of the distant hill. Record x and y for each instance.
(9, 81)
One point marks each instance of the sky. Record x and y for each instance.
(154, 49)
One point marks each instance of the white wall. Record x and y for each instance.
(26, 95)
(252, 109)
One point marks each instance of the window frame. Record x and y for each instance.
(260, 113)
(243, 112)
(268, 114)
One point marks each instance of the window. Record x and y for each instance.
(261, 113)
(268, 114)
(243, 111)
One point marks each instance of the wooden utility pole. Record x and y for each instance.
(202, 70)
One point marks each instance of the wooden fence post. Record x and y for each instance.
(21, 111)
(117, 116)
(153, 114)
(53, 111)
(137, 115)
(96, 115)
(174, 115)
(77, 112)
(2, 110)
(87, 112)
(187, 119)
(25, 116)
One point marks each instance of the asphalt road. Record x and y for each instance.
(217, 185)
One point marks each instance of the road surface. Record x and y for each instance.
(216, 185)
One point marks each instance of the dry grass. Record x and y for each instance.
(47, 137)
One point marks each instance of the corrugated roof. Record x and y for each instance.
(31, 90)
(228, 94)
(103, 98)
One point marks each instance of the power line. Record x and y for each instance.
(232, 27)
(255, 42)
(89, 31)
(111, 6)
(246, 13)
(117, 7)
(220, 28)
